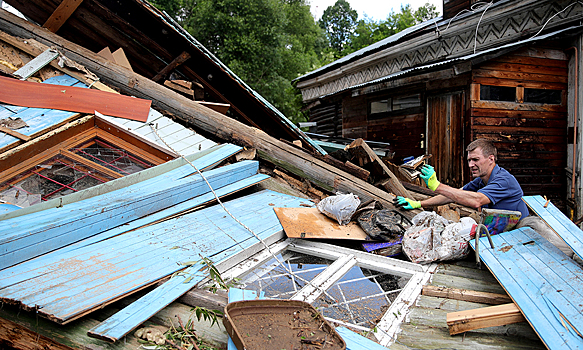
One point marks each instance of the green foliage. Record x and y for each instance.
(268, 43)
(339, 21)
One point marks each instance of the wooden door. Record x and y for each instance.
(445, 139)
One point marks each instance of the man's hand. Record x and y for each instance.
(407, 203)
(428, 175)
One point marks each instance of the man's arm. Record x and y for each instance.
(435, 201)
(468, 198)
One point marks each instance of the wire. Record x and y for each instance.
(555, 15)
(478, 26)
(289, 272)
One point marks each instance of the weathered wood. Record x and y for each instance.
(179, 88)
(499, 315)
(61, 14)
(211, 122)
(466, 295)
(361, 149)
(15, 336)
(171, 66)
(466, 283)
(34, 51)
(14, 133)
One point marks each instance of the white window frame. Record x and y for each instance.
(344, 259)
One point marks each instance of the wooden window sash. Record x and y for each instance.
(91, 164)
(136, 151)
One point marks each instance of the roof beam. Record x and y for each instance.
(61, 14)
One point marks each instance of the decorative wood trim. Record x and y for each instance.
(475, 92)
(61, 14)
(171, 66)
(15, 133)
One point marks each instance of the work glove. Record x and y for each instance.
(407, 203)
(428, 175)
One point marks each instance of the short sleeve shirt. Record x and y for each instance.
(502, 189)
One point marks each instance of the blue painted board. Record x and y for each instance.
(205, 229)
(128, 205)
(26, 245)
(355, 341)
(558, 222)
(533, 272)
(205, 162)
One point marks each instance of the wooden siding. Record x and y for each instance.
(354, 119)
(531, 138)
(329, 119)
(405, 133)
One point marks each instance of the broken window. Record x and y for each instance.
(497, 93)
(111, 157)
(380, 106)
(362, 291)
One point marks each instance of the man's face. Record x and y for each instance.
(480, 166)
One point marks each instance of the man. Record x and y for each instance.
(493, 187)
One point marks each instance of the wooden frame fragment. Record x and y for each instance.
(499, 315)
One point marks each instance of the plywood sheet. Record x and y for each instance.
(73, 99)
(310, 223)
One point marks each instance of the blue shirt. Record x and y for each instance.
(502, 189)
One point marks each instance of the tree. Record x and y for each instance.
(369, 31)
(339, 22)
(267, 43)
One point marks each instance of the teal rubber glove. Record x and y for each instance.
(428, 175)
(407, 203)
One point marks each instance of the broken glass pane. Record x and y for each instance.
(361, 297)
(54, 178)
(116, 159)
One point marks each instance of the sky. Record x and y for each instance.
(375, 9)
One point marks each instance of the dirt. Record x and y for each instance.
(281, 327)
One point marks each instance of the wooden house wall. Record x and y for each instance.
(405, 133)
(452, 7)
(354, 118)
(531, 138)
(329, 119)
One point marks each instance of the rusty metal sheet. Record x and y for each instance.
(310, 223)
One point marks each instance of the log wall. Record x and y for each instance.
(329, 119)
(531, 137)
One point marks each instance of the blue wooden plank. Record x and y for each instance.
(122, 207)
(558, 222)
(5, 112)
(68, 301)
(205, 162)
(510, 262)
(356, 341)
(116, 327)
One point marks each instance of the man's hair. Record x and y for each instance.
(488, 149)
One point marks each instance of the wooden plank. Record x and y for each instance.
(524, 68)
(311, 223)
(362, 148)
(558, 222)
(73, 99)
(61, 14)
(18, 337)
(518, 106)
(120, 324)
(526, 264)
(14, 133)
(521, 76)
(499, 315)
(524, 83)
(53, 229)
(466, 295)
(171, 66)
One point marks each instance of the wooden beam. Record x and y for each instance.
(171, 66)
(499, 315)
(13, 335)
(14, 133)
(61, 14)
(270, 149)
(466, 295)
(362, 149)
